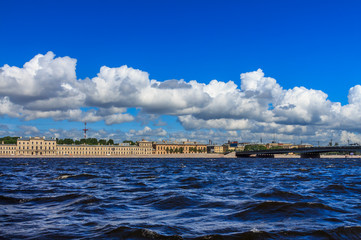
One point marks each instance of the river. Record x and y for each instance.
(180, 198)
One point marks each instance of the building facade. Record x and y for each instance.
(36, 146)
(176, 148)
(216, 149)
(7, 149)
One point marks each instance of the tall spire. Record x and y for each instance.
(85, 130)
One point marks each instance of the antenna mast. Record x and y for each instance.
(85, 130)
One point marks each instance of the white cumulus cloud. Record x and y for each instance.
(47, 87)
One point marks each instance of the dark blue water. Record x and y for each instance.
(180, 199)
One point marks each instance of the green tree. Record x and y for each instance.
(167, 150)
(103, 142)
(92, 141)
(181, 150)
(68, 141)
(254, 147)
(9, 140)
(110, 142)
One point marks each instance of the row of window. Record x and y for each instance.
(36, 142)
(173, 147)
(7, 148)
(36, 148)
(100, 153)
(99, 149)
(7, 152)
(71, 153)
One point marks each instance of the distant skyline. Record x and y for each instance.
(178, 70)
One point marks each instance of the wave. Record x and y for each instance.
(279, 194)
(174, 202)
(9, 200)
(336, 188)
(277, 210)
(190, 183)
(83, 176)
(39, 200)
(342, 233)
(136, 233)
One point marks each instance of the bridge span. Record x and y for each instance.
(312, 152)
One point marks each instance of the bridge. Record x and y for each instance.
(312, 152)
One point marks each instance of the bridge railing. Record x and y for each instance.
(303, 150)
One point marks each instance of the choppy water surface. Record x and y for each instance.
(180, 198)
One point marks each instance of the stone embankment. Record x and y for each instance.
(190, 155)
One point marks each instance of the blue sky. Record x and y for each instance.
(310, 44)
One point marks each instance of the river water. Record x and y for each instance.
(180, 199)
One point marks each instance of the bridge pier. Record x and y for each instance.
(310, 155)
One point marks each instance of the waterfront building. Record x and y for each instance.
(102, 150)
(182, 147)
(7, 149)
(216, 149)
(36, 146)
(147, 146)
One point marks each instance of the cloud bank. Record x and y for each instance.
(47, 87)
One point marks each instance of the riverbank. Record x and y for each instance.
(190, 155)
(198, 155)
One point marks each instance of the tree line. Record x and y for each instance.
(9, 140)
(69, 141)
(87, 141)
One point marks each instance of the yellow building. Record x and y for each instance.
(7, 149)
(216, 149)
(123, 149)
(147, 146)
(36, 146)
(175, 148)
